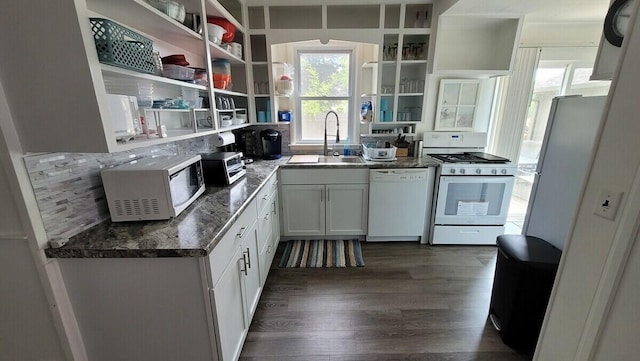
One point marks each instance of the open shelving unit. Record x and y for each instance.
(405, 25)
(61, 114)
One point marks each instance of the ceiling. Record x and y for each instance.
(538, 11)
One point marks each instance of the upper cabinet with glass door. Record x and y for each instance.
(404, 58)
(112, 56)
(457, 103)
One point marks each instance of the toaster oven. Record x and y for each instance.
(222, 168)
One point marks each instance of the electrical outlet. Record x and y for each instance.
(607, 204)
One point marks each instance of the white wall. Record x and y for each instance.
(596, 247)
(622, 328)
(10, 224)
(26, 324)
(27, 330)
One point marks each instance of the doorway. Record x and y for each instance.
(552, 78)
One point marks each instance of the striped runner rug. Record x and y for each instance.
(318, 253)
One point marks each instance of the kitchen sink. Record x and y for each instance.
(342, 159)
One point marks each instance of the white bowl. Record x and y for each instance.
(215, 33)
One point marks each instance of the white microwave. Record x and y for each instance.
(153, 188)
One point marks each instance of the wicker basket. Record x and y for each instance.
(122, 47)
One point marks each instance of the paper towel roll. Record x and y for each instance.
(222, 139)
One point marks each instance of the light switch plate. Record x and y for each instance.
(607, 204)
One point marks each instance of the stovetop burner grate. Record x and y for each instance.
(470, 157)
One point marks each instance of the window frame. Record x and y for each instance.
(351, 98)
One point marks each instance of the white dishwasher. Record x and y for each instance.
(400, 204)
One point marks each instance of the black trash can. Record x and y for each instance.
(525, 270)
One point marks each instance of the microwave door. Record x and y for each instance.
(184, 185)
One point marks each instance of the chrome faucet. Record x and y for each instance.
(326, 148)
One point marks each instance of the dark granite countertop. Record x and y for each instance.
(400, 162)
(196, 231)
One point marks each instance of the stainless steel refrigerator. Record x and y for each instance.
(569, 140)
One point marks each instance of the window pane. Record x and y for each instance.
(582, 85)
(549, 79)
(313, 115)
(324, 74)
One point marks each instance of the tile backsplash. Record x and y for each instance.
(68, 186)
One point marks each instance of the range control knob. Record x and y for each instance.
(462, 171)
(504, 171)
(493, 171)
(478, 171)
(452, 171)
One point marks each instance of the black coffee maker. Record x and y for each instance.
(271, 144)
(246, 140)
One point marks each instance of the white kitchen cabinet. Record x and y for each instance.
(230, 307)
(252, 280)
(268, 225)
(69, 94)
(457, 104)
(492, 39)
(346, 209)
(236, 282)
(270, 231)
(324, 202)
(206, 303)
(303, 210)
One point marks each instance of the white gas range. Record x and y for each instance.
(472, 190)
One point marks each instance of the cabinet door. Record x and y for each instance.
(346, 209)
(275, 220)
(265, 227)
(229, 308)
(457, 101)
(303, 210)
(251, 278)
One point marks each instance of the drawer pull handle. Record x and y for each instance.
(244, 260)
(248, 257)
(269, 249)
(241, 233)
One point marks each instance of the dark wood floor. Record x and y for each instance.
(409, 302)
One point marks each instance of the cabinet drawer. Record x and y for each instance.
(324, 176)
(266, 258)
(265, 223)
(221, 254)
(270, 186)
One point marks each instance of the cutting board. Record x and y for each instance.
(313, 158)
